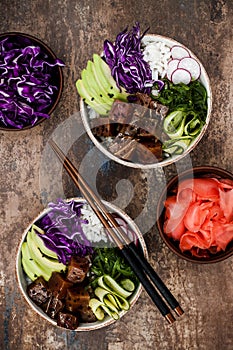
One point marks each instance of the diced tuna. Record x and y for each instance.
(67, 320)
(38, 291)
(53, 306)
(58, 285)
(76, 298)
(77, 269)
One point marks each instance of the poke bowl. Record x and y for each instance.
(146, 101)
(31, 81)
(195, 215)
(70, 272)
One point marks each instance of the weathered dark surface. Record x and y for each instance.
(75, 30)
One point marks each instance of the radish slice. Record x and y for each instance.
(171, 67)
(181, 75)
(179, 52)
(192, 66)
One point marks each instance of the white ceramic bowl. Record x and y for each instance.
(21, 277)
(204, 79)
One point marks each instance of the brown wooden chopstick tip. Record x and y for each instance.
(179, 311)
(170, 318)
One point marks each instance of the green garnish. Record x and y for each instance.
(109, 261)
(187, 113)
(186, 98)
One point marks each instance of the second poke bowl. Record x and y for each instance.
(146, 100)
(70, 272)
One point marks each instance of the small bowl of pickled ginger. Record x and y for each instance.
(195, 214)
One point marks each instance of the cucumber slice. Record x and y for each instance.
(110, 306)
(174, 124)
(113, 314)
(107, 282)
(96, 305)
(112, 299)
(101, 293)
(127, 284)
(123, 304)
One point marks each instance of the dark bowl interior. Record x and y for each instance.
(202, 171)
(57, 76)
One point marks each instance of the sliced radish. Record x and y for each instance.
(172, 65)
(192, 66)
(179, 52)
(181, 75)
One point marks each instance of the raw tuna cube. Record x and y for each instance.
(151, 152)
(76, 298)
(121, 112)
(77, 269)
(67, 320)
(123, 147)
(103, 127)
(86, 314)
(127, 130)
(38, 291)
(143, 99)
(53, 306)
(58, 285)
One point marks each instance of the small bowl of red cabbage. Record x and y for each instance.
(195, 214)
(31, 81)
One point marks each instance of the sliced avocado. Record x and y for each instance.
(31, 268)
(87, 81)
(44, 262)
(107, 81)
(95, 83)
(40, 244)
(38, 229)
(99, 108)
(103, 72)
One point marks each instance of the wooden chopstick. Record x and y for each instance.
(137, 261)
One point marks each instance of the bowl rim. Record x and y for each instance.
(60, 73)
(85, 326)
(171, 160)
(214, 170)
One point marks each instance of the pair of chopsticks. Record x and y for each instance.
(134, 257)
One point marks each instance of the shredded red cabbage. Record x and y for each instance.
(26, 81)
(63, 230)
(125, 59)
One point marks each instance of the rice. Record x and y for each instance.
(157, 54)
(94, 230)
(92, 113)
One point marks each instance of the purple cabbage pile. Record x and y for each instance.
(63, 230)
(125, 59)
(27, 87)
